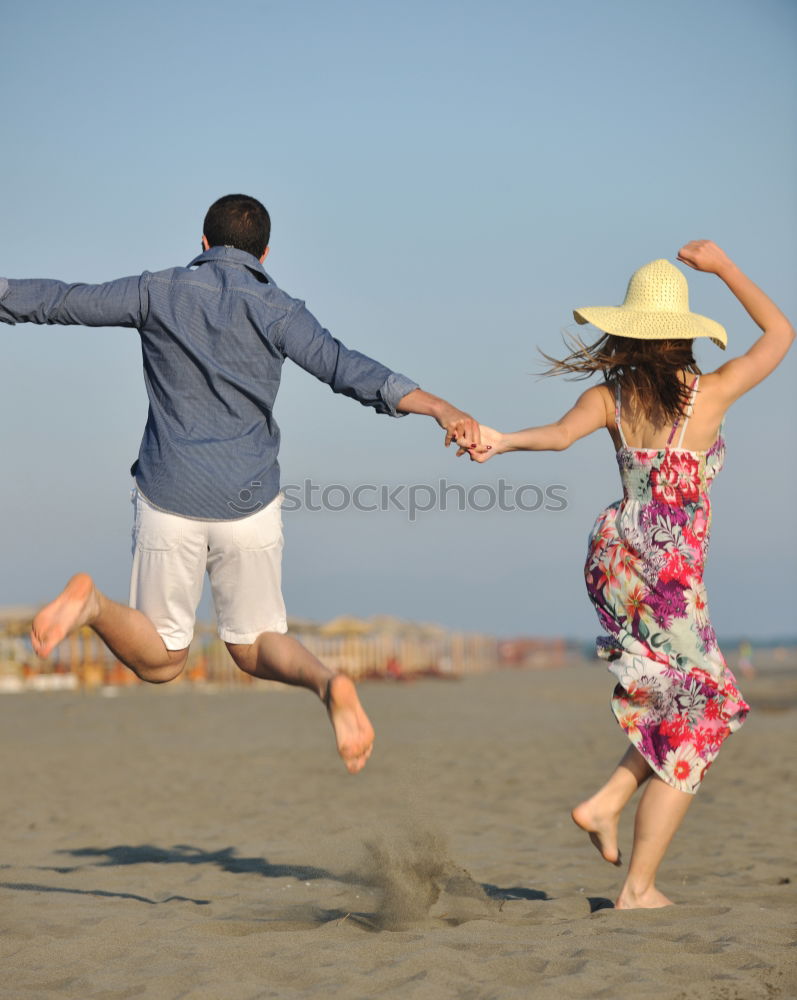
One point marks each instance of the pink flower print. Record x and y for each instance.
(674, 568)
(685, 766)
(604, 533)
(634, 602)
(667, 603)
(702, 739)
(662, 515)
(623, 562)
(707, 637)
(694, 546)
(688, 475)
(602, 577)
(642, 687)
(676, 730)
(704, 677)
(677, 476)
(663, 481)
(696, 603)
(708, 738)
(629, 719)
(700, 524)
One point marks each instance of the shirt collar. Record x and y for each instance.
(231, 255)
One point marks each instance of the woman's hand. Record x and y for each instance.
(491, 441)
(703, 255)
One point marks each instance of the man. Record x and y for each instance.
(214, 336)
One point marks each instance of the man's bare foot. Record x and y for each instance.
(650, 899)
(76, 605)
(602, 830)
(354, 733)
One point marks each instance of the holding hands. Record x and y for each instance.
(490, 444)
(459, 426)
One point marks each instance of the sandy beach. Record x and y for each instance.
(175, 843)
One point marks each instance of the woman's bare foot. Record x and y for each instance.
(602, 829)
(76, 605)
(650, 899)
(354, 733)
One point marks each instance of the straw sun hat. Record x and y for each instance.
(656, 307)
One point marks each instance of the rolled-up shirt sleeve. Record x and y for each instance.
(41, 300)
(306, 342)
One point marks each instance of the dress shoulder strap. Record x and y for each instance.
(617, 415)
(689, 408)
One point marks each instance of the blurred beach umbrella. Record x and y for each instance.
(15, 619)
(388, 624)
(345, 625)
(304, 625)
(432, 631)
(396, 626)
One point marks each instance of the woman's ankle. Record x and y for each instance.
(641, 896)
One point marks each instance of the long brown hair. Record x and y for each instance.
(647, 371)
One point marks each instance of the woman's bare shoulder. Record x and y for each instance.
(711, 393)
(606, 394)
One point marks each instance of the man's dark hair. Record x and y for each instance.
(236, 220)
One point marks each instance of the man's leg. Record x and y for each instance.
(245, 568)
(128, 633)
(165, 586)
(277, 657)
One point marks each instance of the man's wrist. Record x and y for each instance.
(424, 403)
(440, 410)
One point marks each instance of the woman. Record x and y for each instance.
(675, 697)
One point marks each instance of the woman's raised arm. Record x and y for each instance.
(740, 374)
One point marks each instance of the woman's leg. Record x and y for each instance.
(660, 813)
(600, 814)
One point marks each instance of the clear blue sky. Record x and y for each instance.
(446, 181)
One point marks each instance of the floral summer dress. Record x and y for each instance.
(676, 699)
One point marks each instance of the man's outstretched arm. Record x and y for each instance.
(458, 425)
(42, 300)
(306, 342)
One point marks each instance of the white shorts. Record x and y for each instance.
(243, 559)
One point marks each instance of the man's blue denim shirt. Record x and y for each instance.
(214, 336)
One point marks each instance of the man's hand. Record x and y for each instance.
(458, 425)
